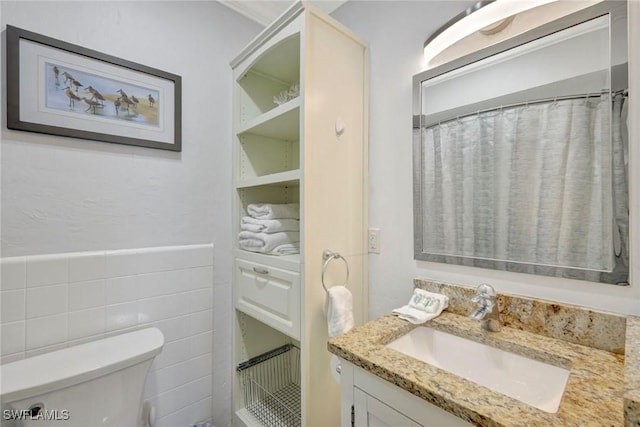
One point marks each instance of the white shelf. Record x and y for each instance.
(287, 262)
(247, 418)
(283, 122)
(283, 60)
(281, 178)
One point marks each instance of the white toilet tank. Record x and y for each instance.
(94, 384)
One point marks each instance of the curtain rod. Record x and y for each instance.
(623, 92)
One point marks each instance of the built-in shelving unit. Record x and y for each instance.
(287, 178)
(292, 83)
(280, 123)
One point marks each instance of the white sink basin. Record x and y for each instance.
(534, 383)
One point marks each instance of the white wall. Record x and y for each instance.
(63, 195)
(67, 195)
(50, 302)
(396, 32)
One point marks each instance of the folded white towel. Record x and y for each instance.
(266, 242)
(339, 309)
(422, 306)
(286, 249)
(269, 225)
(274, 211)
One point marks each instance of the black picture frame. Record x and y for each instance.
(43, 74)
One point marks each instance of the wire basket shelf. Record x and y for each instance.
(270, 386)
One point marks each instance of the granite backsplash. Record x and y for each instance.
(574, 324)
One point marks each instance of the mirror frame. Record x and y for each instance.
(616, 10)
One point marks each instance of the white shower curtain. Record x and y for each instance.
(530, 184)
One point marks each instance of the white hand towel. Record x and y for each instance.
(269, 225)
(266, 242)
(274, 211)
(339, 309)
(422, 306)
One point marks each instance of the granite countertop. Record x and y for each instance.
(632, 373)
(593, 395)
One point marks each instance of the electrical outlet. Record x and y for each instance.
(374, 240)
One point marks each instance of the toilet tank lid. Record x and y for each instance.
(80, 363)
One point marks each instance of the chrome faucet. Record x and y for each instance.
(487, 311)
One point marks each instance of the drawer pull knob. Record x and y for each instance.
(260, 270)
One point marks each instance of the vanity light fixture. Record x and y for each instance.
(476, 18)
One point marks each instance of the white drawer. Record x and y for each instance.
(269, 294)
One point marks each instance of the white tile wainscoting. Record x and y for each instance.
(55, 301)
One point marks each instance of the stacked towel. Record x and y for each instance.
(272, 229)
(269, 225)
(269, 242)
(269, 211)
(339, 309)
(422, 306)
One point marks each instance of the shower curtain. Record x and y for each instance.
(537, 184)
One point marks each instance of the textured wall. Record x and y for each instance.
(66, 195)
(62, 195)
(396, 32)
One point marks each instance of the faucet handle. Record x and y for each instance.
(483, 292)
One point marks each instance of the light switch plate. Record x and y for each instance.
(374, 240)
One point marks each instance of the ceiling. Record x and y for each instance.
(265, 11)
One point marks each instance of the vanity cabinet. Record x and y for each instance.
(373, 412)
(369, 401)
(299, 136)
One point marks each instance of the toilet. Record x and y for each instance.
(99, 383)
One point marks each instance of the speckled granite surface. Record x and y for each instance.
(605, 331)
(632, 373)
(593, 396)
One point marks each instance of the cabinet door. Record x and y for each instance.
(269, 294)
(414, 410)
(370, 412)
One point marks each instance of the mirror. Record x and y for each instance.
(520, 152)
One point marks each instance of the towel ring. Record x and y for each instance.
(329, 256)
